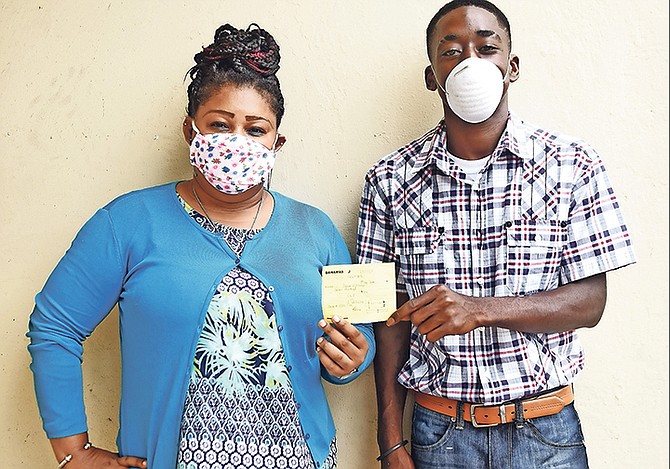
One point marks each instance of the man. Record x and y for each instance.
(502, 233)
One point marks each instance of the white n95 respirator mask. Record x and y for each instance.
(474, 89)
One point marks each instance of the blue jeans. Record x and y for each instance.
(554, 441)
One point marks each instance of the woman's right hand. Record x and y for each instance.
(399, 459)
(98, 458)
(91, 458)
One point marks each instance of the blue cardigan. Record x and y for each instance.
(144, 252)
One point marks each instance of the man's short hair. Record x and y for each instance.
(483, 4)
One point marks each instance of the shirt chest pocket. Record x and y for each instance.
(420, 257)
(534, 249)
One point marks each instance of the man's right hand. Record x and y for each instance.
(399, 459)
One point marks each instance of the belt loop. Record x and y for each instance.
(460, 421)
(519, 419)
(503, 413)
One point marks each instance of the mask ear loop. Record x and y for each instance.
(437, 82)
(195, 172)
(507, 70)
(194, 127)
(274, 144)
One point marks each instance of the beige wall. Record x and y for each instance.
(91, 100)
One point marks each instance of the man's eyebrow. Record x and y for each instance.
(488, 33)
(480, 32)
(448, 37)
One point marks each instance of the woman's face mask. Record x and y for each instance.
(473, 89)
(232, 163)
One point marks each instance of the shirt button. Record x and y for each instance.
(289, 368)
(480, 281)
(508, 224)
(297, 405)
(280, 328)
(307, 436)
(271, 288)
(237, 261)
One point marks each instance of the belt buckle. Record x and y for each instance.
(473, 419)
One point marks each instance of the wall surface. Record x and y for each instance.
(91, 101)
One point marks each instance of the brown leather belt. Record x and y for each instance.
(490, 415)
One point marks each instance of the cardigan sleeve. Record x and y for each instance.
(340, 255)
(78, 295)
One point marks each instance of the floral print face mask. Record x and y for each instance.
(230, 162)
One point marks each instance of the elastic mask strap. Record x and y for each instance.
(507, 71)
(438, 83)
(194, 127)
(274, 144)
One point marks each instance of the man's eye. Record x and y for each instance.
(488, 49)
(450, 52)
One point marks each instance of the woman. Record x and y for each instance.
(218, 284)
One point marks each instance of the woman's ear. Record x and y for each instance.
(281, 140)
(187, 129)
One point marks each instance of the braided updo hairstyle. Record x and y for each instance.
(239, 57)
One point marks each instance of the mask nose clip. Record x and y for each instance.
(461, 70)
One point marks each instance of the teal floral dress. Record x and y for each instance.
(240, 411)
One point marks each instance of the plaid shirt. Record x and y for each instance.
(543, 214)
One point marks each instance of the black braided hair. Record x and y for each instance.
(239, 57)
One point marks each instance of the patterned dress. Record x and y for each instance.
(240, 410)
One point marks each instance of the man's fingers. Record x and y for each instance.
(405, 311)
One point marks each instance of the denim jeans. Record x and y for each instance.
(554, 441)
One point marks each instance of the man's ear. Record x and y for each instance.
(187, 129)
(429, 78)
(281, 140)
(514, 71)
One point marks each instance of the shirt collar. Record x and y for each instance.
(514, 140)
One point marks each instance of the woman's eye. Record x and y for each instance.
(256, 131)
(220, 126)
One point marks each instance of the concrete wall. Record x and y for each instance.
(91, 101)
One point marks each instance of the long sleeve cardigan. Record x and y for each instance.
(145, 253)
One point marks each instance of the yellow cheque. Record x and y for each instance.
(359, 292)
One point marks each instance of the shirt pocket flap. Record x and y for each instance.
(416, 240)
(547, 233)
